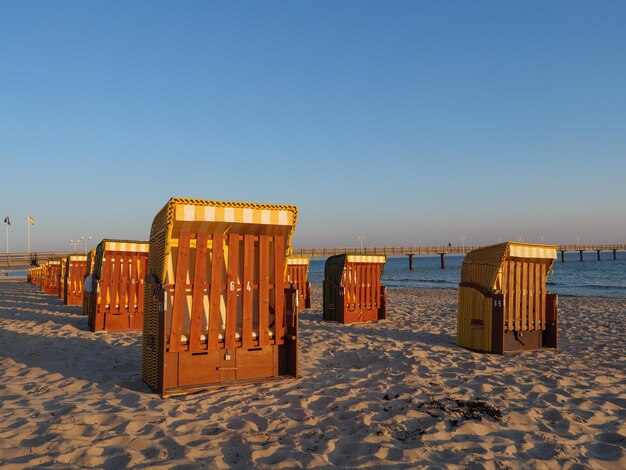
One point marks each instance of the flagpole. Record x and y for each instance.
(28, 225)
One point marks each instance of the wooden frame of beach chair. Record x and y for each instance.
(87, 297)
(51, 278)
(117, 297)
(504, 305)
(74, 279)
(297, 274)
(352, 290)
(217, 308)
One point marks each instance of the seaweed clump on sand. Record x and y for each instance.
(461, 409)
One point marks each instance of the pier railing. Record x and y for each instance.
(26, 259)
(430, 250)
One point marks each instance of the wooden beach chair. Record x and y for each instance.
(297, 274)
(51, 278)
(62, 278)
(503, 302)
(217, 307)
(36, 275)
(116, 301)
(91, 256)
(74, 279)
(353, 291)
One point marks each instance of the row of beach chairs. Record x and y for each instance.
(217, 294)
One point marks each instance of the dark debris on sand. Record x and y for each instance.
(461, 409)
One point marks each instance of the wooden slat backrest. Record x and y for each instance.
(198, 292)
(133, 280)
(246, 288)
(248, 291)
(143, 264)
(264, 287)
(537, 296)
(215, 294)
(180, 288)
(124, 268)
(297, 275)
(232, 287)
(279, 287)
(105, 282)
(524, 291)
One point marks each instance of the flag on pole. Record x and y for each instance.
(31, 220)
(7, 220)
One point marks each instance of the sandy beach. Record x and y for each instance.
(393, 394)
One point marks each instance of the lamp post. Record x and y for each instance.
(84, 240)
(541, 239)
(74, 244)
(463, 243)
(361, 238)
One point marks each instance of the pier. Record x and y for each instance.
(31, 259)
(441, 250)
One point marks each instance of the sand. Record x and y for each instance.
(393, 394)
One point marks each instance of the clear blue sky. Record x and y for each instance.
(406, 122)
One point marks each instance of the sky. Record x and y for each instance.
(407, 123)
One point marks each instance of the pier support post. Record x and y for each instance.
(598, 255)
(443, 260)
(563, 256)
(614, 254)
(581, 254)
(411, 262)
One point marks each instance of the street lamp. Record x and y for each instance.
(84, 240)
(74, 244)
(463, 243)
(578, 242)
(541, 239)
(361, 238)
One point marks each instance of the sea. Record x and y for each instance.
(604, 278)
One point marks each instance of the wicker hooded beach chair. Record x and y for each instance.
(503, 302)
(51, 277)
(74, 279)
(116, 300)
(217, 309)
(62, 278)
(88, 280)
(352, 291)
(297, 274)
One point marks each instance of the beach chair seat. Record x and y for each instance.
(116, 300)
(217, 309)
(352, 290)
(297, 275)
(504, 305)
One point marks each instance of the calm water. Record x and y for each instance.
(605, 278)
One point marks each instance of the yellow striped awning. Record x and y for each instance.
(298, 261)
(365, 259)
(78, 258)
(138, 247)
(241, 215)
(519, 250)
